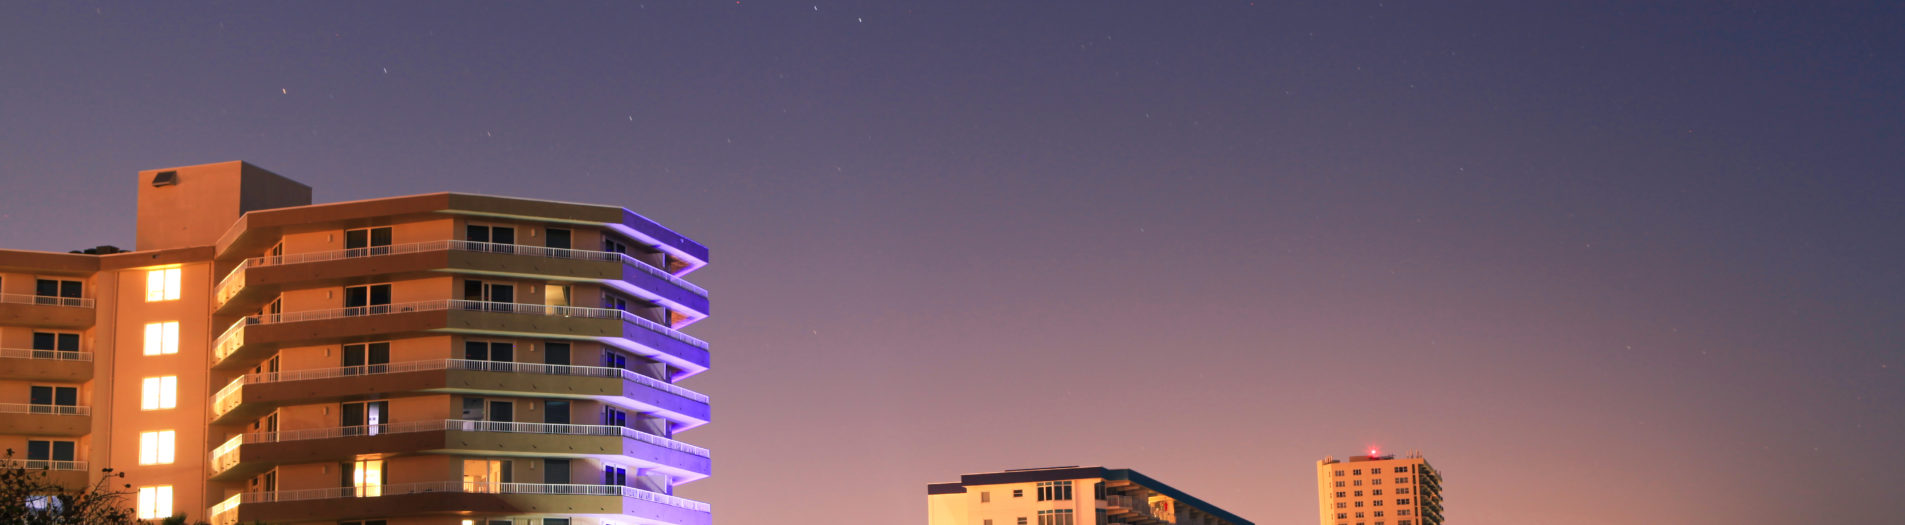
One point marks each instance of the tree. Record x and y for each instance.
(28, 497)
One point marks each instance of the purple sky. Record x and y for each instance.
(1611, 263)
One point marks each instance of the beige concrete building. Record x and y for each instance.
(444, 358)
(1067, 496)
(1378, 490)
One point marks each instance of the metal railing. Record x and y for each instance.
(225, 512)
(474, 487)
(226, 455)
(34, 408)
(446, 245)
(230, 396)
(44, 464)
(231, 284)
(49, 300)
(54, 355)
(225, 343)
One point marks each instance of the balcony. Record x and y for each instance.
(254, 394)
(1134, 510)
(247, 454)
(71, 475)
(46, 365)
(248, 284)
(45, 420)
(46, 310)
(462, 498)
(249, 339)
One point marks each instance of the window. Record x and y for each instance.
(1018, 493)
(57, 292)
(1359, 505)
(366, 241)
(1339, 494)
(367, 299)
(489, 351)
(47, 399)
(557, 238)
(1339, 483)
(162, 338)
(159, 393)
(1359, 515)
(1377, 481)
(1402, 522)
(1055, 517)
(156, 448)
(491, 234)
(364, 418)
(988, 522)
(38, 452)
(155, 502)
(162, 284)
(1359, 472)
(1404, 490)
(1377, 492)
(1342, 515)
(1358, 483)
(55, 345)
(1377, 503)
(1341, 504)
(1359, 493)
(1402, 480)
(367, 355)
(368, 477)
(1400, 470)
(555, 412)
(1021, 520)
(1402, 501)
(985, 497)
(492, 292)
(614, 475)
(555, 471)
(1402, 512)
(1379, 513)
(1055, 491)
(488, 475)
(1339, 472)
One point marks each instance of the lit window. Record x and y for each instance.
(162, 285)
(162, 338)
(155, 502)
(160, 393)
(155, 448)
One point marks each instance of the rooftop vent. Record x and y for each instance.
(165, 178)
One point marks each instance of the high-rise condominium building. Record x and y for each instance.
(1067, 496)
(431, 359)
(1379, 490)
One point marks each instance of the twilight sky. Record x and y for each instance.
(1602, 263)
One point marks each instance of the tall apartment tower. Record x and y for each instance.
(444, 358)
(1379, 490)
(1067, 496)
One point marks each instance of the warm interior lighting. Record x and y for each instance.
(368, 477)
(162, 338)
(162, 284)
(155, 502)
(156, 448)
(160, 393)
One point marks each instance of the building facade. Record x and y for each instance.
(1379, 490)
(430, 359)
(1067, 496)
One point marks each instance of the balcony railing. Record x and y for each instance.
(35, 353)
(226, 455)
(44, 464)
(229, 397)
(235, 281)
(233, 337)
(35, 408)
(20, 298)
(218, 512)
(474, 487)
